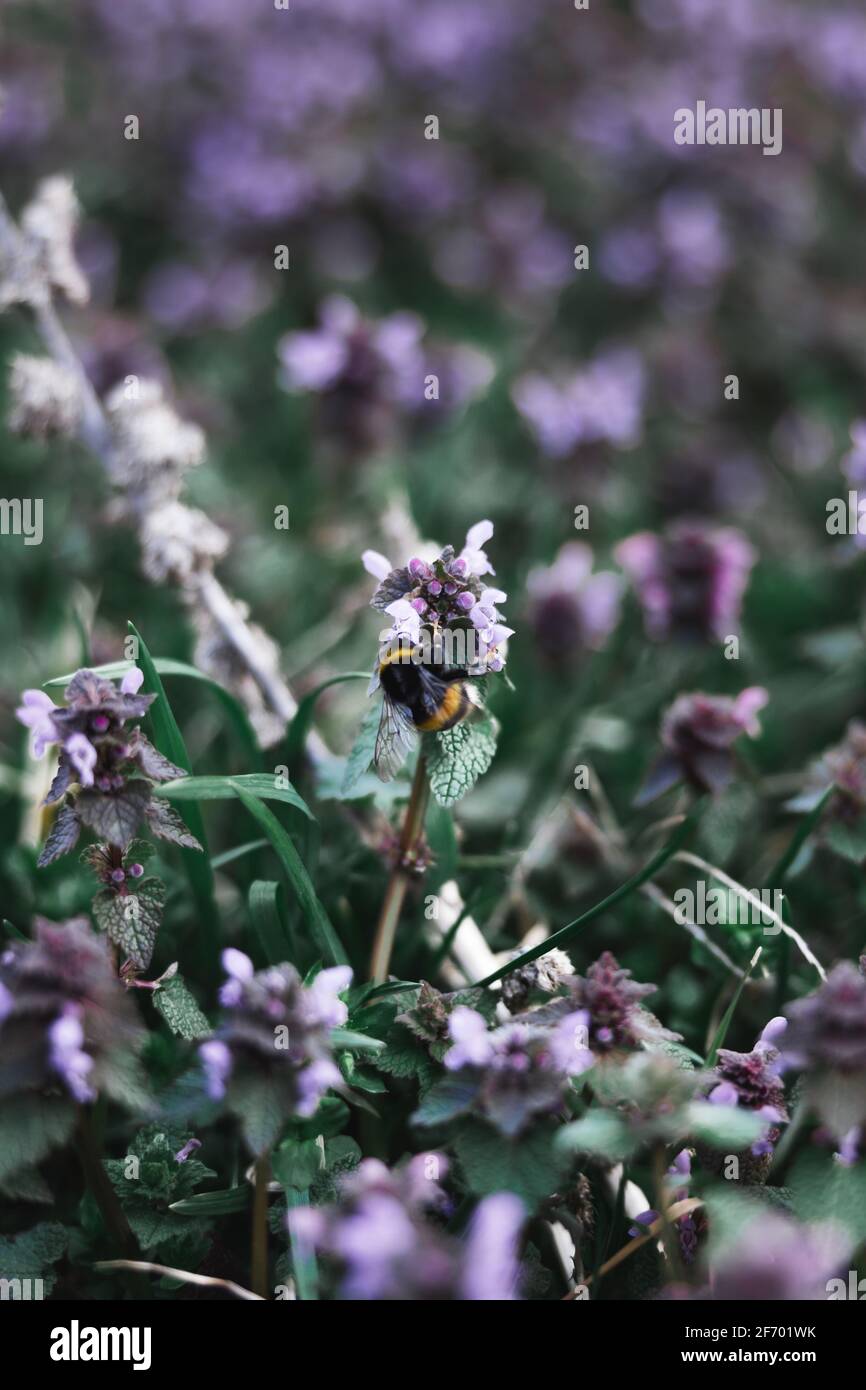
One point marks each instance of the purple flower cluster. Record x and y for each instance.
(368, 371)
(751, 1080)
(275, 1032)
(612, 1005)
(93, 721)
(427, 600)
(385, 1246)
(690, 580)
(571, 609)
(603, 403)
(826, 1038)
(66, 1016)
(521, 1069)
(113, 767)
(698, 733)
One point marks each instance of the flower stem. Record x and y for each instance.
(259, 1252)
(401, 874)
(100, 1186)
(668, 1233)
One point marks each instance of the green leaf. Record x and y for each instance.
(566, 933)
(361, 755)
(178, 1007)
(31, 1254)
(457, 757)
(224, 1202)
(529, 1165)
(451, 1096)
(302, 722)
(442, 839)
(266, 902)
(326, 938)
(260, 1107)
(114, 816)
(355, 1042)
(132, 921)
(30, 1127)
(727, 1127)
(62, 837)
(261, 784)
(228, 856)
(600, 1132)
(823, 1189)
(297, 1163)
(848, 841)
(169, 740)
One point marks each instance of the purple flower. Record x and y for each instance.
(774, 1259)
(690, 581)
(698, 733)
(610, 1002)
(189, 1148)
(642, 1220)
(326, 1007)
(601, 403)
(473, 556)
(132, 681)
(381, 1245)
(83, 756)
(35, 712)
(473, 1045)
(275, 1035)
(571, 609)
(491, 1268)
(313, 1081)
(723, 1094)
(521, 1068)
(217, 1062)
(67, 1054)
(826, 1038)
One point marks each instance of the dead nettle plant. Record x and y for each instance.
(146, 450)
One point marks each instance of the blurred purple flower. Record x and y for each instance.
(690, 581)
(698, 733)
(774, 1259)
(570, 608)
(601, 403)
(67, 1054)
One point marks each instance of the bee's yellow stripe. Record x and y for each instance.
(448, 712)
(397, 654)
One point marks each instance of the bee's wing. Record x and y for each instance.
(394, 741)
(433, 688)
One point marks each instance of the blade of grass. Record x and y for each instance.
(325, 937)
(798, 839)
(261, 784)
(228, 856)
(268, 915)
(565, 933)
(722, 1030)
(303, 1256)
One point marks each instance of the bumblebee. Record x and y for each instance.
(419, 697)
